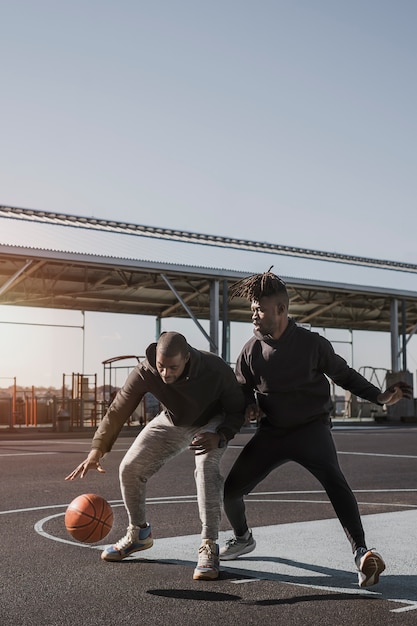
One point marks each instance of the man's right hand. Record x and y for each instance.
(253, 412)
(91, 462)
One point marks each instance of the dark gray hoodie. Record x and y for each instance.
(207, 388)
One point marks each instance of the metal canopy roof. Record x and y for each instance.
(63, 278)
(85, 283)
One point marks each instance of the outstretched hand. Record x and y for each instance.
(395, 392)
(91, 462)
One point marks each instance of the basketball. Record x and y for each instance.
(89, 518)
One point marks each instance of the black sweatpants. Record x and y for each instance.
(311, 446)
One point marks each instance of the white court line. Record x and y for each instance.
(380, 454)
(26, 453)
(389, 456)
(299, 501)
(39, 529)
(35, 508)
(159, 500)
(269, 493)
(115, 503)
(192, 499)
(254, 496)
(125, 448)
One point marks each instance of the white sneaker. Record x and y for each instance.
(208, 561)
(370, 565)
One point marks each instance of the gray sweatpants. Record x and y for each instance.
(158, 442)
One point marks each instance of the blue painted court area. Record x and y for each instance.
(301, 572)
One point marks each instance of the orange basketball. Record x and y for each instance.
(89, 518)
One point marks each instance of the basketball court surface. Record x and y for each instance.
(301, 573)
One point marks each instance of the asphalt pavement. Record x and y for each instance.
(301, 573)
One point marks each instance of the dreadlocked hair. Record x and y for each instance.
(259, 286)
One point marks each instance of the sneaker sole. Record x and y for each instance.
(118, 557)
(232, 557)
(207, 575)
(370, 574)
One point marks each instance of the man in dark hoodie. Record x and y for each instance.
(203, 409)
(283, 370)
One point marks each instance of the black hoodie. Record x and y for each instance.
(289, 376)
(208, 388)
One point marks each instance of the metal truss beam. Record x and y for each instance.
(200, 238)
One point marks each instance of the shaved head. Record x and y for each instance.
(172, 356)
(171, 343)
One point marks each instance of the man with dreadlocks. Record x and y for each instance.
(282, 370)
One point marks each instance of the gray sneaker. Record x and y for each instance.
(370, 565)
(236, 547)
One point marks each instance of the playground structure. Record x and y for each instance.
(77, 405)
(80, 403)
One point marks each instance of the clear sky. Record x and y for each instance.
(289, 121)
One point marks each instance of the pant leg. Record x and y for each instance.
(263, 453)
(315, 450)
(158, 442)
(311, 446)
(209, 483)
